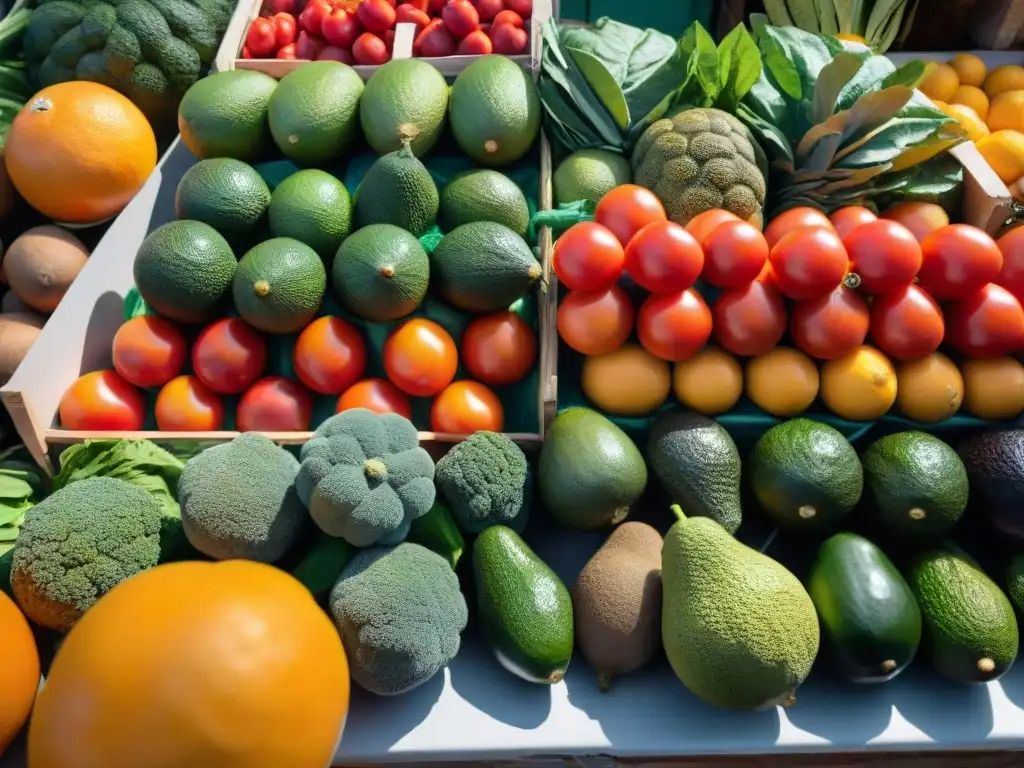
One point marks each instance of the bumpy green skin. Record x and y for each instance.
(524, 607)
(184, 270)
(238, 500)
(918, 485)
(314, 208)
(279, 285)
(404, 98)
(398, 189)
(867, 611)
(739, 630)
(381, 273)
(438, 532)
(483, 267)
(314, 113)
(227, 194)
(589, 174)
(806, 475)
(701, 159)
(400, 614)
(1015, 582)
(322, 565)
(486, 480)
(494, 111)
(697, 462)
(80, 543)
(365, 478)
(589, 472)
(483, 195)
(225, 115)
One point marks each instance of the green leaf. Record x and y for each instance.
(889, 142)
(821, 157)
(604, 86)
(828, 24)
(908, 24)
(776, 61)
(868, 79)
(700, 47)
(14, 489)
(769, 136)
(918, 155)
(886, 34)
(740, 67)
(883, 15)
(872, 111)
(804, 15)
(831, 82)
(910, 74)
(844, 14)
(778, 13)
(858, 178)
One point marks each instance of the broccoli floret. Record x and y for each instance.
(365, 478)
(79, 544)
(238, 500)
(400, 614)
(486, 480)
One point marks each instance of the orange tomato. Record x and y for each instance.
(674, 326)
(627, 209)
(920, 218)
(663, 257)
(78, 152)
(734, 254)
(274, 404)
(587, 257)
(795, 218)
(19, 674)
(185, 404)
(907, 324)
(420, 357)
(884, 255)
(808, 263)
(378, 395)
(102, 401)
(229, 355)
(596, 322)
(703, 224)
(229, 664)
(958, 261)
(847, 219)
(329, 356)
(830, 326)
(749, 320)
(499, 348)
(149, 351)
(464, 407)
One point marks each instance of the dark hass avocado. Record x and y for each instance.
(995, 468)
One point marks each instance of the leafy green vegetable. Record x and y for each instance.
(879, 22)
(22, 486)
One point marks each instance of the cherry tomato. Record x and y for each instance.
(370, 49)
(434, 40)
(626, 209)
(476, 43)
(988, 323)
(149, 351)
(1011, 276)
(587, 257)
(884, 255)
(499, 348)
(284, 28)
(749, 320)
(509, 40)
(185, 404)
(420, 357)
(378, 395)
(281, 6)
(410, 14)
(734, 254)
(830, 326)
(229, 355)
(488, 9)
(460, 18)
(703, 224)
(261, 39)
(288, 52)
(674, 326)
(376, 16)
(663, 257)
(312, 16)
(958, 261)
(507, 17)
(596, 322)
(274, 404)
(334, 53)
(794, 218)
(906, 324)
(920, 218)
(329, 356)
(464, 407)
(308, 46)
(340, 28)
(847, 219)
(102, 401)
(522, 7)
(808, 263)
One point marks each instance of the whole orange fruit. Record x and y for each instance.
(78, 152)
(19, 674)
(205, 665)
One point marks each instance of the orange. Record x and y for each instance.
(78, 152)
(930, 389)
(940, 81)
(1007, 111)
(968, 119)
(973, 97)
(19, 674)
(1004, 151)
(860, 385)
(995, 387)
(627, 382)
(969, 68)
(783, 382)
(1009, 77)
(710, 382)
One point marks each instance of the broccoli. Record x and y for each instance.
(80, 543)
(365, 478)
(238, 500)
(400, 613)
(486, 481)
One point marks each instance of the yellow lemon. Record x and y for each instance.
(860, 385)
(973, 97)
(929, 390)
(1004, 151)
(968, 118)
(1009, 77)
(940, 81)
(710, 382)
(1007, 111)
(627, 382)
(969, 68)
(783, 382)
(995, 387)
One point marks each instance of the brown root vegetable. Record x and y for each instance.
(41, 265)
(18, 331)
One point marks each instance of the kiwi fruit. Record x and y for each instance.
(18, 331)
(41, 265)
(617, 602)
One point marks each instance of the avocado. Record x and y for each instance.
(739, 630)
(868, 614)
(589, 472)
(279, 286)
(404, 98)
(525, 609)
(322, 564)
(589, 174)
(227, 194)
(994, 460)
(970, 631)
(398, 189)
(483, 267)
(438, 532)
(381, 273)
(1015, 582)
(805, 475)
(697, 462)
(225, 115)
(917, 484)
(314, 208)
(483, 195)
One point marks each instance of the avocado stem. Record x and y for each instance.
(678, 512)
(387, 271)
(490, 146)
(888, 665)
(555, 676)
(806, 512)
(262, 288)
(986, 665)
(604, 681)
(534, 272)
(917, 514)
(407, 132)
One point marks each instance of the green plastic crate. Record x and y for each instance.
(672, 18)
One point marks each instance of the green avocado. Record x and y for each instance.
(381, 273)
(279, 286)
(398, 190)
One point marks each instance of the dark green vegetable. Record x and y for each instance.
(22, 486)
(322, 564)
(438, 532)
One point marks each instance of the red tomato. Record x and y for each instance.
(261, 40)
(1011, 276)
(434, 40)
(509, 40)
(229, 355)
(460, 18)
(246, 53)
(149, 351)
(434, 7)
(626, 209)
(663, 257)
(587, 257)
(703, 224)
(281, 6)
(906, 324)
(884, 255)
(284, 28)
(596, 322)
(988, 323)
(102, 401)
(674, 326)
(334, 53)
(376, 16)
(274, 404)
(185, 404)
(958, 260)
(410, 14)
(499, 348)
(808, 263)
(507, 17)
(794, 218)
(329, 356)
(734, 254)
(340, 28)
(488, 9)
(378, 395)
(420, 357)
(312, 16)
(465, 407)
(749, 320)
(476, 43)
(420, 5)
(370, 49)
(389, 41)
(847, 219)
(289, 52)
(920, 218)
(524, 8)
(830, 326)
(308, 46)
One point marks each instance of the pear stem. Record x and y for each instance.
(678, 512)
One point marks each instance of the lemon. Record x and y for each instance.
(1009, 77)
(1004, 151)
(968, 118)
(860, 385)
(783, 382)
(969, 68)
(627, 382)
(994, 387)
(710, 382)
(1007, 111)
(940, 82)
(973, 97)
(929, 390)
